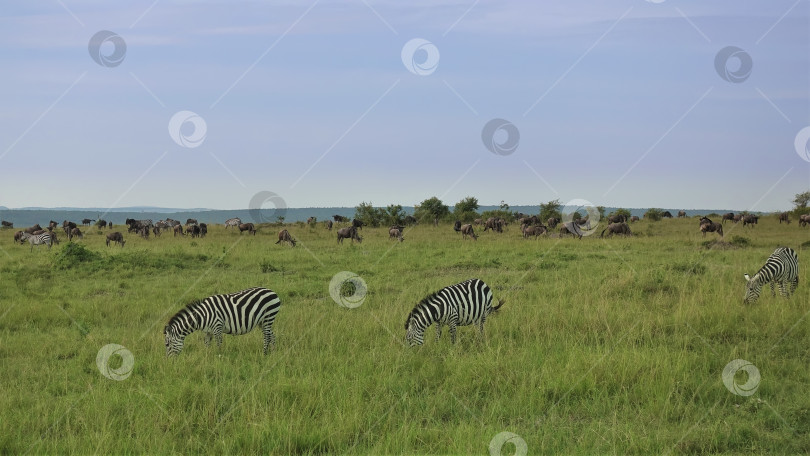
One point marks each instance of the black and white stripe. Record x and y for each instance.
(782, 267)
(235, 222)
(463, 304)
(233, 313)
(37, 239)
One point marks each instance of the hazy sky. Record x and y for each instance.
(331, 103)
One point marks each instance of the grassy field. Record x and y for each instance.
(603, 346)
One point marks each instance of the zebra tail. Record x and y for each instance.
(498, 307)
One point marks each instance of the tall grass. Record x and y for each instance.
(603, 346)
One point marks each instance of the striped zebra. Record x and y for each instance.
(463, 304)
(782, 267)
(37, 239)
(233, 313)
(235, 222)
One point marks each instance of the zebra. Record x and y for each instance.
(234, 313)
(461, 304)
(37, 239)
(782, 267)
(235, 222)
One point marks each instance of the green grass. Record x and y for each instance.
(603, 346)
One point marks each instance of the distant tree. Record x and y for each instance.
(621, 211)
(394, 215)
(368, 214)
(280, 219)
(551, 209)
(430, 209)
(801, 200)
(653, 214)
(601, 210)
(465, 210)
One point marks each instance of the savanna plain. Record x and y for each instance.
(603, 346)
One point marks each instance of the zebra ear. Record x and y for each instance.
(747, 278)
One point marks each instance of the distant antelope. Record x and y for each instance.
(467, 230)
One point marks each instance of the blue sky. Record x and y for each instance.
(616, 103)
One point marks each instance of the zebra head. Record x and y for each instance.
(174, 340)
(753, 288)
(414, 331)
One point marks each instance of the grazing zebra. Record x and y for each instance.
(233, 313)
(37, 239)
(781, 267)
(234, 222)
(463, 304)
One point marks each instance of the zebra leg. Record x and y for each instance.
(773, 290)
(453, 323)
(438, 331)
(208, 337)
(794, 284)
(269, 336)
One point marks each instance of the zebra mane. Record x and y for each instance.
(427, 299)
(184, 311)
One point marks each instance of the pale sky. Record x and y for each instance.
(330, 103)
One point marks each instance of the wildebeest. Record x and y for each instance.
(203, 229)
(194, 230)
(156, 230)
(247, 227)
(115, 237)
(584, 223)
(67, 226)
(349, 232)
(570, 228)
(478, 222)
(727, 216)
(750, 219)
(527, 220)
(284, 236)
(18, 236)
(178, 229)
(533, 230)
(552, 222)
(457, 226)
(87, 222)
(312, 221)
(666, 214)
(358, 224)
(31, 229)
(494, 224)
(328, 224)
(52, 224)
(6, 224)
(191, 221)
(75, 232)
(235, 222)
(395, 233)
(101, 224)
(410, 220)
(707, 226)
(784, 216)
(634, 219)
(467, 230)
(804, 219)
(617, 228)
(339, 218)
(617, 218)
(144, 232)
(681, 214)
(737, 218)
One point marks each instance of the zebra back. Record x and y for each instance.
(38, 239)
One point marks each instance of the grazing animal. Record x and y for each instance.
(284, 236)
(534, 230)
(750, 220)
(348, 232)
(234, 313)
(18, 236)
(478, 222)
(115, 237)
(191, 221)
(178, 229)
(617, 228)
(467, 230)
(457, 226)
(194, 230)
(494, 224)
(6, 224)
(707, 226)
(584, 223)
(784, 216)
(617, 218)
(634, 219)
(395, 233)
(87, 222)
(462, 304)
(156, 230)
(31, 229)
(247, 227)
(328, 224)
(312, 221)
(144, 232)
(410, 220)
(51, 225)
(572, 229)
(75, 232)
(339, 219)
(737, 218)
(233, 222)
(38, 239)
(101, 224)
(782, 267)
(666, 214)
(681, 214)
(203, 229)
(728, 216)
(552, 222)
(804, 219)
(358, 224)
